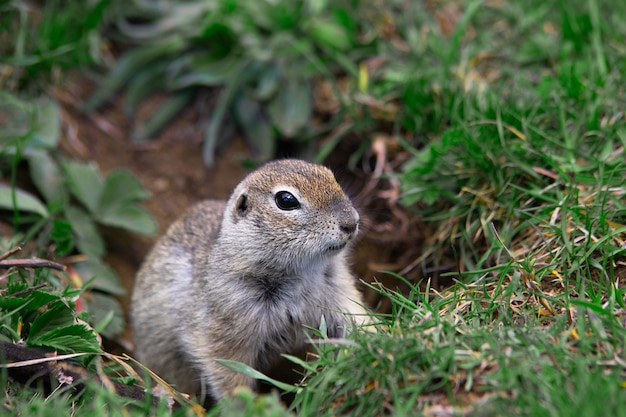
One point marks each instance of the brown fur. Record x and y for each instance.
(241, 280)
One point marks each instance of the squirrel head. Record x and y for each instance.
(289, 214)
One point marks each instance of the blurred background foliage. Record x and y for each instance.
(264, 56)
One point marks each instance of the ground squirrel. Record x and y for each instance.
(242, 279)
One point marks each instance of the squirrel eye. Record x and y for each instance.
(286, 201)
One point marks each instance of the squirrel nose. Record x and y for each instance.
(349, 221)
(348, 227)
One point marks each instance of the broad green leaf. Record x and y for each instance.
(47, 176)
(147, 82)
(260, 13)
(200, 78)
(258, 132)
(39, 298)
(290, 110)
(317, 6)
(179, 16)
(121, 187)
(240, 75)
(206, 73)
(48, 124)
(11, 303)
(36, 120)
(102, 323)
(61, 235)
(330, 35)
(11, 199)
(85, 183)
(129, 217)
(101, 276)
(15, 121)
(291, 48)
(269, 81)
(284, 15)
(222, 38)
(57, 315)
(106, 310)
(88, 238)
(242, 368)
(77, 338)
(130, 64)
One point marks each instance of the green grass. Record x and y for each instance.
(39, 43)
(471, 353)
(514, 122)
(517, 134)
(518, 142)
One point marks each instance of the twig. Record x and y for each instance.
(27, 290)
(27, 366)
(30, 263)
(10, 252)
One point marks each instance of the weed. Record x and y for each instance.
(264, 55)
(40, 43)
(72, 199)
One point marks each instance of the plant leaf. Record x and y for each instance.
(331, 35)
(101, 277)
(290, 110)
(130, 64)
(47, 176)
(23, 201)
(258, 132)
(17, 114)
(207, 73)
(242, 368)
(129, 217)
(116, 206)
(88, 239)
(57, 315)
(48, 124)
(76, 338)
(178, 16)
(35, 119)
(267, 84)
(35, 299)
(240, 74)
(104, 309)
(317, 6)
(85, 182)
(61, 235)
(147, 82)
(121, 187)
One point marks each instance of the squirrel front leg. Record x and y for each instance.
(221, 380)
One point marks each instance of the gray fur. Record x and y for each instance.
(242, 279)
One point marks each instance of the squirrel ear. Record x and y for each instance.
(242, 204)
